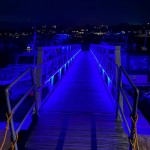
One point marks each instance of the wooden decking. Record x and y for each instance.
(75, 131)
(79, 114)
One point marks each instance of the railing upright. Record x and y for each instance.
(38, 78)
(35, 110)
(118, 96)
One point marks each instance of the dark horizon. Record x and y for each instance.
(9, 26)
(19, 14)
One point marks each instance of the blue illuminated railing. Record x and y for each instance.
(56, 62)
(117, 80)
(53, 69)
(107, 68)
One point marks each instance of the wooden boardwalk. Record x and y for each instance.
(79, 114)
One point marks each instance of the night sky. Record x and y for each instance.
(73, 12)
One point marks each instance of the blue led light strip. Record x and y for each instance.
(52, 77)
(103, 70)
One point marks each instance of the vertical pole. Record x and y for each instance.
(38, 77)
(106, 60)
(59, 74)
(35, 111)
(118, 80)
(118, 55)
(118, 116)
(117, 61)
(52, 82)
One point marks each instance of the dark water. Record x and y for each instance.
(9, 48)
(144, 107)
(144, 102)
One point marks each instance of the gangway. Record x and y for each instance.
(79, 114)
(84, 106)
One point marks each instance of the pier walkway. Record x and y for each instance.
(79, 114)
(73, 100)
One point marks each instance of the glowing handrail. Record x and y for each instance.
(104, 68)
(51, 77)
(65, 63)
(133, 109)
(59, 69)
(71, 53)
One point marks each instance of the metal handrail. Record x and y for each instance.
(12, 111)
(124, 118)
(105, 68)
(24, 119)
(53, 73)
(16, 80)
(41, 65)
(44, 74)
(133, 109)
(126, 99)
(120, 91)
(38, 88)
(71, 52)
(22, 99)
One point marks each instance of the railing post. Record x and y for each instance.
(59, 74)
(35, 111)
(118, 80)
(39, 78)
(118, 55)
(118, 116)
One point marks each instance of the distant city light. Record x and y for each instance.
(28, 48)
